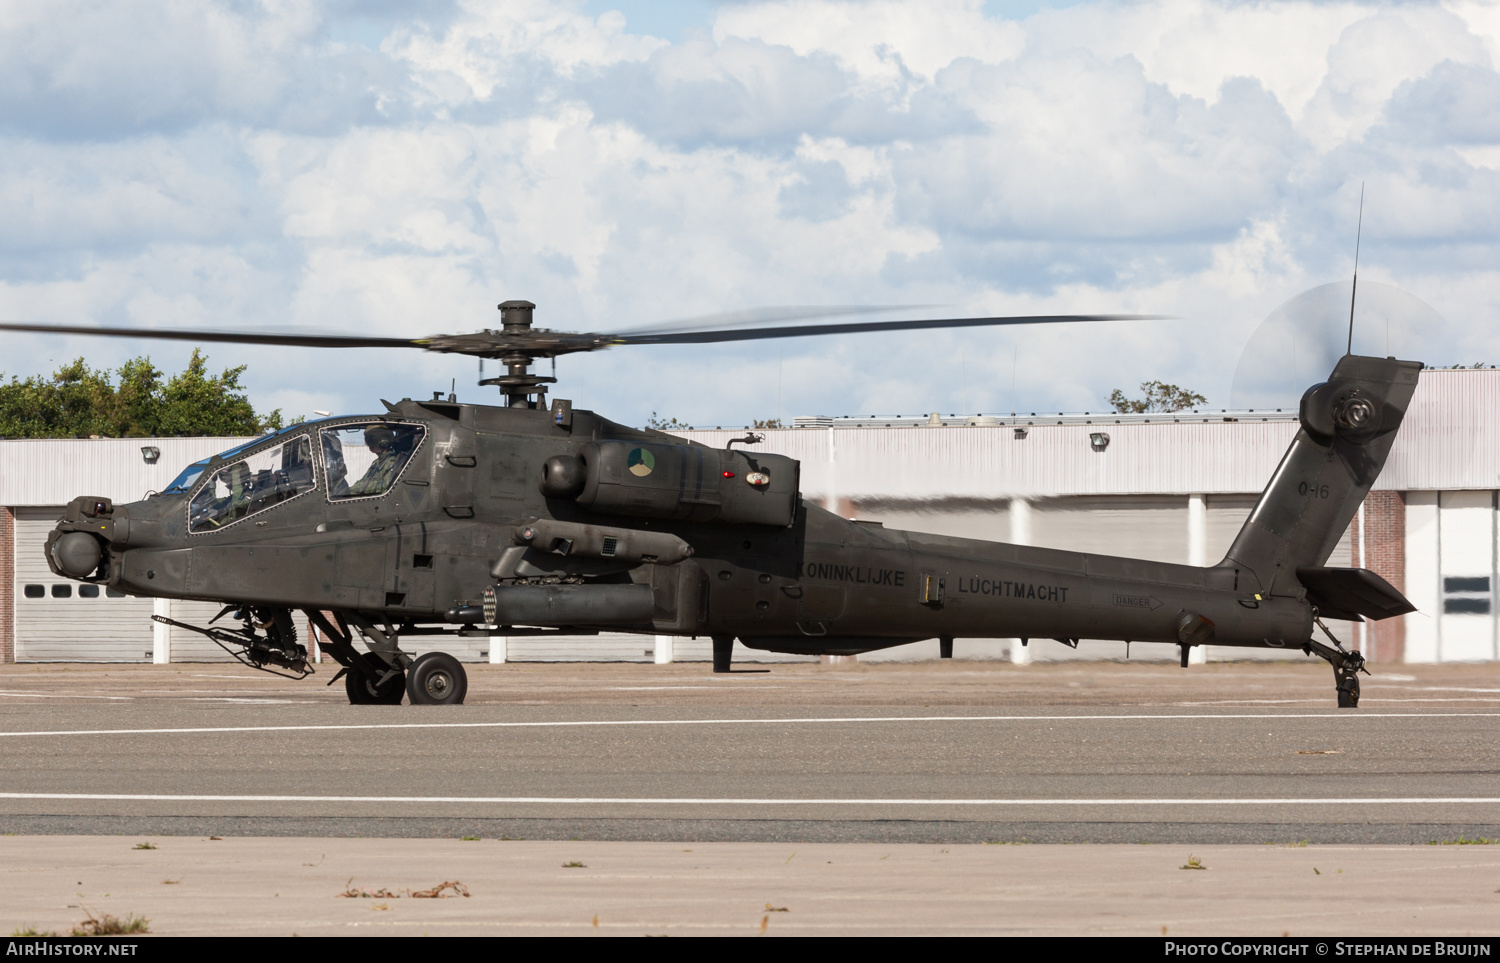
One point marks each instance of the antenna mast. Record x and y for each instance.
(1349, 349)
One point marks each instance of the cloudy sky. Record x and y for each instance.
(399, 168)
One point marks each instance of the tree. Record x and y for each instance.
(1159, 397)
(666, 424)
(768, 423)
(80, 401)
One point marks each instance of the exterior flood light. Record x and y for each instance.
(1098, 441)
(149, 454)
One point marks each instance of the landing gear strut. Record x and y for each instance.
(723, 652)
(382, 685)
(1346, 666)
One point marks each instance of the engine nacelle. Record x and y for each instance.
(685, 482)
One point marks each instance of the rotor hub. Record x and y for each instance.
(521, 388)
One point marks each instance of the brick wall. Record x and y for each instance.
(7, 585)
(1385, 555)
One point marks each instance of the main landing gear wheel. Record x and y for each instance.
(436, 679)
(363, 693)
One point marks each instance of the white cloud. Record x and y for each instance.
(244, 165)
(1372, 57)
(1193, 46)
(884, 43)
(490, 44)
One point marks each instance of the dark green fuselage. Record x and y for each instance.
(818, 583)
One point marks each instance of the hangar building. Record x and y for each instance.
(1168, 487)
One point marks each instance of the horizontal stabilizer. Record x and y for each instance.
(1349, 593)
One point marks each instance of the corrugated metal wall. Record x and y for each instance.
(43, 471)
(102, 628)
(1448, 440)
(989, 462)
(1446, 443)
(71, 628)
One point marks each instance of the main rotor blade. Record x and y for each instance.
(724, 320)
(865, 327)
(542, 343)
(231, 337)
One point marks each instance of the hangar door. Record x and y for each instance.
(59, 620)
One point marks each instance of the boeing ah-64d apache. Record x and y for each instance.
(441, 517)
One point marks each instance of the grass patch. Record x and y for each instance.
(143, 846)
(31, 931)
(1193, 863)
(108, 925)
(1465, 841)
(444, 890)
(574, 864)
(359, 892)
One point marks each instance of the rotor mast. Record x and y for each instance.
(521, 388)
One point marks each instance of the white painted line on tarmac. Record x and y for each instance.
(758, 801)
(840, 720)
(1383, 700)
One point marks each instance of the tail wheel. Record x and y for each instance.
(436, 679)
(362, 692)
(1349, 692)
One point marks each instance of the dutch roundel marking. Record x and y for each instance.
(640, 462)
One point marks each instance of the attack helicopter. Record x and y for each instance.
(435, 517)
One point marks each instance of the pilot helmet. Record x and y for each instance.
(380, 437)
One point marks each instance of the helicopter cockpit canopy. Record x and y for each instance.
(189, 476)
(365, 460)
(266, 477)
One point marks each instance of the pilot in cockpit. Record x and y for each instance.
(383, 442)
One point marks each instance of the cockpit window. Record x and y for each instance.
(363, 461)
(184, 481)
(253, 484)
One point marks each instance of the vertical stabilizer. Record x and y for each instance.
(1348, 426)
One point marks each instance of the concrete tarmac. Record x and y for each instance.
(887, 753)
(623, 767)
(281, 887)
